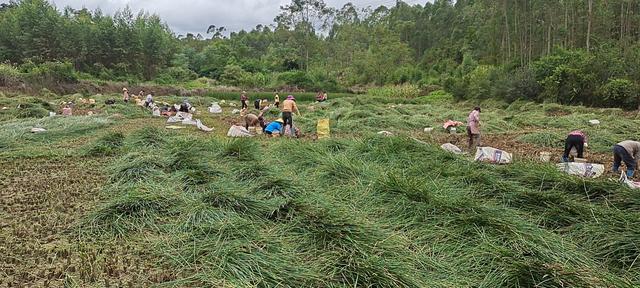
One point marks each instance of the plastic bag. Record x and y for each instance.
(202, 127)
(215, 108)
(631, 184)
(493, 155)
(181, 117)
(323, 129)
(238, 131)
(451, 148)
(586, 170)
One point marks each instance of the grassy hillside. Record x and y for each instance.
(115, 199)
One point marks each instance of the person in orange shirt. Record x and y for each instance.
(288, 107)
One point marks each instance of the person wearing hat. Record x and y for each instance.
(276, 100)
(125, 95)
(244, 99)
(288, 107)
(274, 127)
(473, 128)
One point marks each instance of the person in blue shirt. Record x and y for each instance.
(274, 127)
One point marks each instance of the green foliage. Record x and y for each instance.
(107, 145)
(241, 149)
(110, 47)
(233, 75)
(619, 93)
(173, 75)
(406, 91)
(296, 78)
(479, 82)
(8, 74)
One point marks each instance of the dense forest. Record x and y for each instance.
(567, 51)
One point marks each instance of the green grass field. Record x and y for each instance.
(117, 200)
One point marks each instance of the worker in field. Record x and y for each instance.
(149, 100)
(141, 94)
(274, 128)
(473, 128)
(244, 99)
(185, 106)
(628, 152)
(576, 139)
(276, 100)
(250, 119)
(125, 95)
(288, 108)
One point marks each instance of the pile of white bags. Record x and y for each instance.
(586, 170)
(493, 155)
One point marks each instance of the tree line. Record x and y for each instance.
(568, 51)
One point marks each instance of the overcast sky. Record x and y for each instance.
(196, 15)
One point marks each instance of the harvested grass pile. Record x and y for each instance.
(107, 145)
(381, 211)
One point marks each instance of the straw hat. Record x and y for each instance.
(280, 120)
(125, 89)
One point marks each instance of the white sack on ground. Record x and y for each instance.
(586, 170)
(187, 119)
(451, 148)
(238, 131)
(215, 108)
(180, 117)
(630, 183)
(202, 127)
(493, 155)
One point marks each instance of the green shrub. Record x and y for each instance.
(479, 82)
(8, 74)
(233, 75)
(173, 75)
(619, 93)
(50, 72)
(296, 78)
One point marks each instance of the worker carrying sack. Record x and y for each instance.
(586, 170)
(493, 155)
(323, 129)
